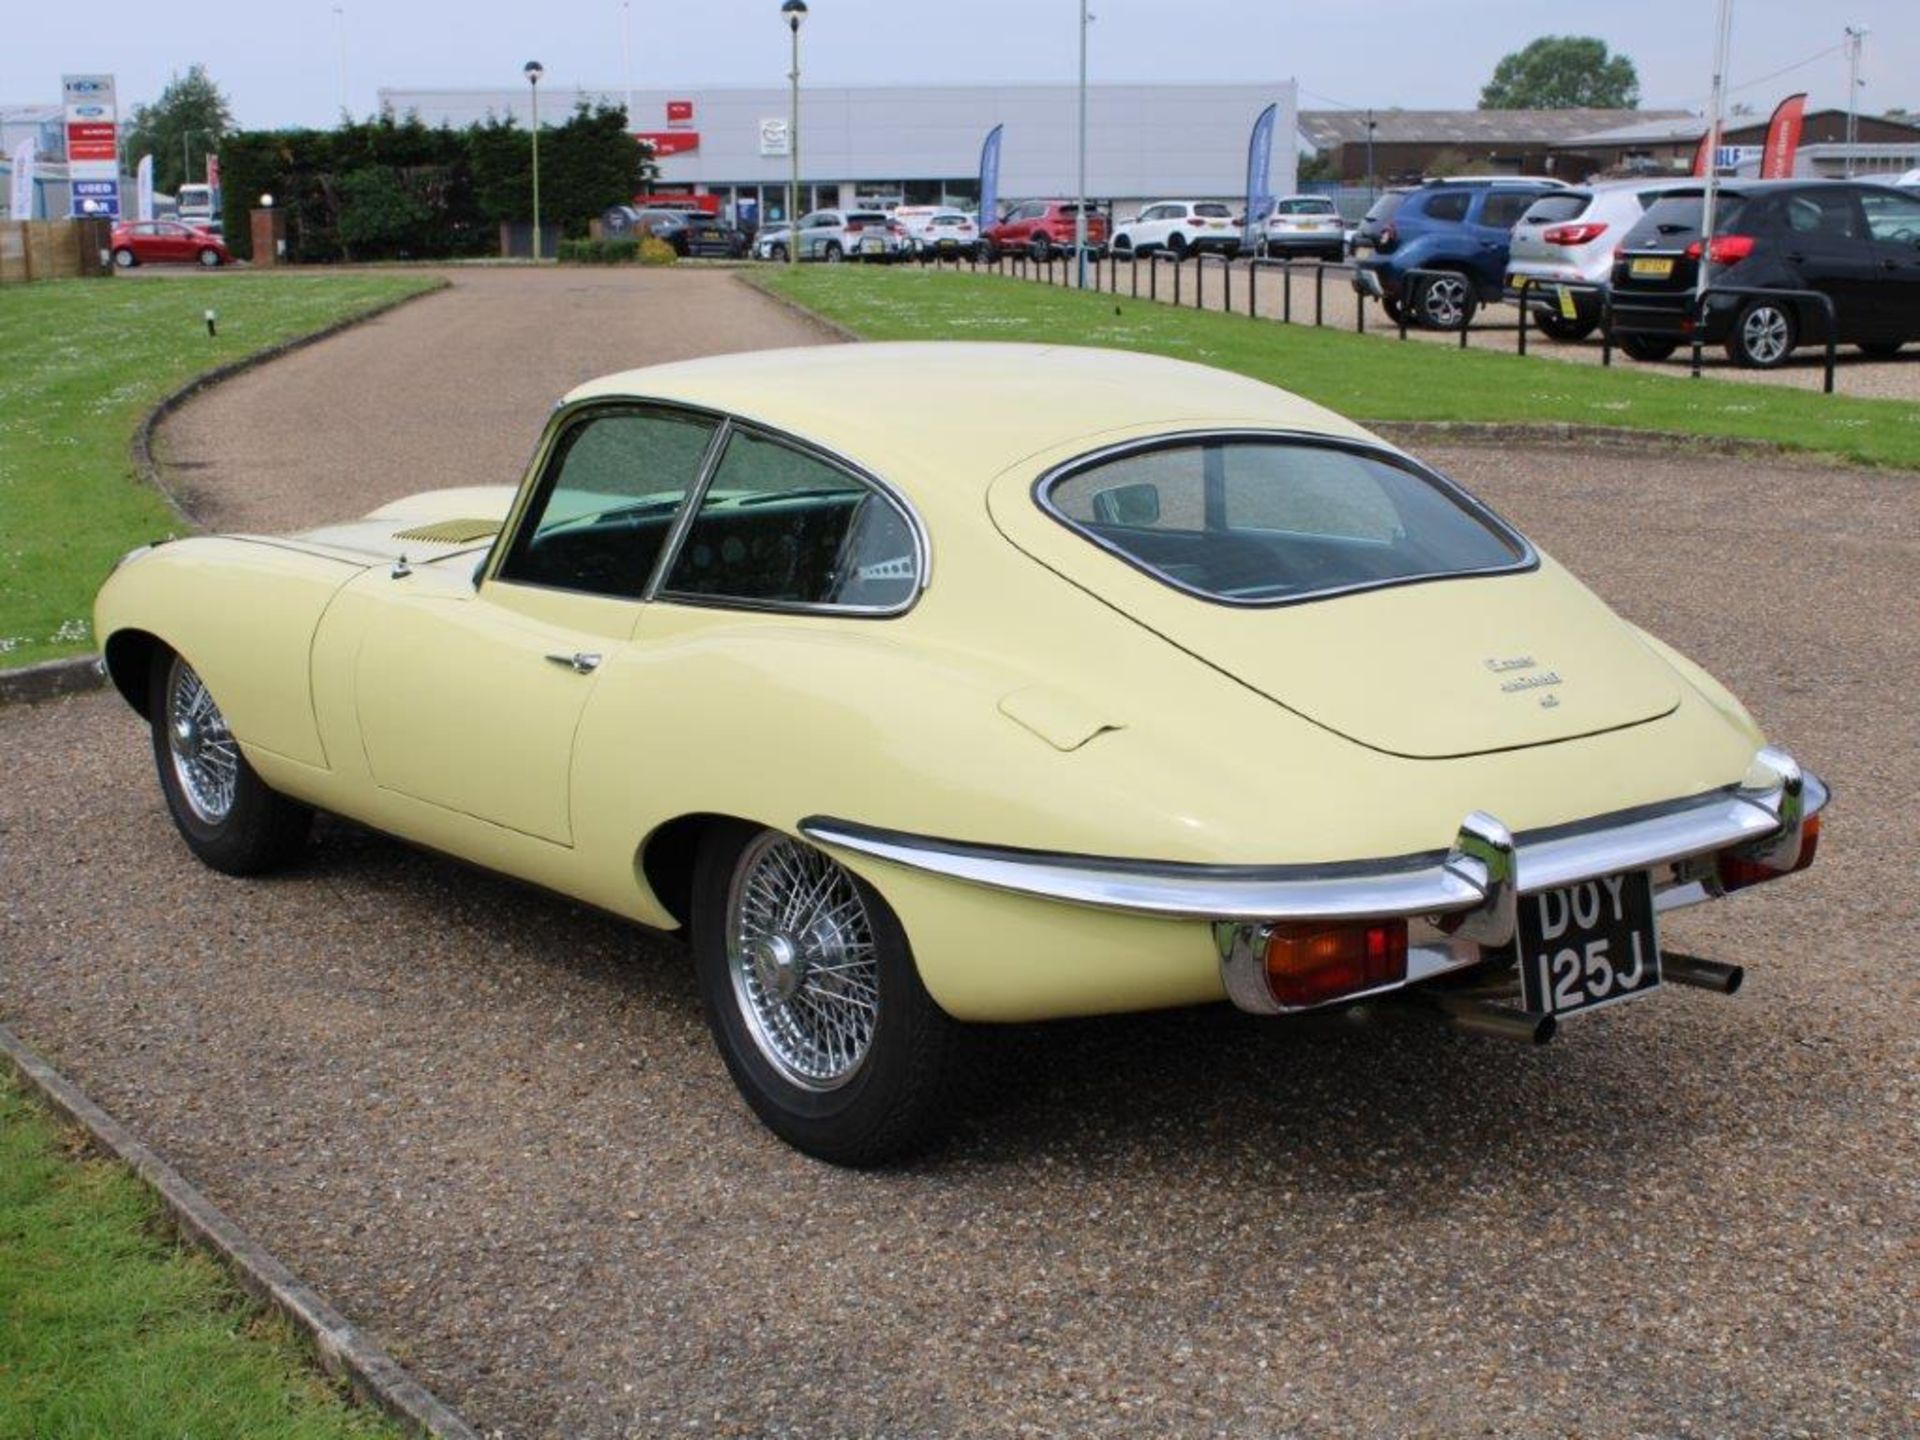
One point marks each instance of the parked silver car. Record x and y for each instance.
(1565, 242)
(835, 235)
(1304, 225)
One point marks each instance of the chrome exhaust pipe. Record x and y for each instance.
(1701, 974)
(1477, 1017)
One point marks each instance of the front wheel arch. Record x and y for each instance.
(129, 660)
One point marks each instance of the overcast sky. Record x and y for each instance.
(279, 61)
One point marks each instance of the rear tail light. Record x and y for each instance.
(1574, 234)
(1737, 872)
(854, 227)
(1388, 237)
(1725, 249)
(1312, 963)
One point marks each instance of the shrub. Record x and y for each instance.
(626, 250)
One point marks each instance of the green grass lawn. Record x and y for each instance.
(1367, 377)
(107, 1328)
(81, 361)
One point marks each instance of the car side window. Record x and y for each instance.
(607, 499)
(1829, 214)
(1892, 216)
(1502, 209)
(779, 526)
(1447, 205)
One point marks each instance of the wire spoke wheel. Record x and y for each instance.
(803, 962)
(206, 760)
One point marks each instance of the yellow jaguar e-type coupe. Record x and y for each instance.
(932, 684)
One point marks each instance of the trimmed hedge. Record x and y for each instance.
(389, 189)
(626, 250)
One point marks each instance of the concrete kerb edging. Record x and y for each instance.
(342, 1349)
(29, 684)
(813, 317)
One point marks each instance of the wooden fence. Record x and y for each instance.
(52, 249)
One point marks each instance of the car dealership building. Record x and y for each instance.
(917, 144)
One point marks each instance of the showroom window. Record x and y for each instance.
(779, 526)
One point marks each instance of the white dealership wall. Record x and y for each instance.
(1145, 142)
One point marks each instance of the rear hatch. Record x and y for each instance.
(1530, 252)
(1429, 670)
(1659, 261)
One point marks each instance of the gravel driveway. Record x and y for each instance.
(490, 1126)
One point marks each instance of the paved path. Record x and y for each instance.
(452, 389)
(490, 1126)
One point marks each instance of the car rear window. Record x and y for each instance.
(1259, 520)
(868, 217)
(1305, 207)
(1212, 210)
(1674, 217)
(1386, 205)
(1557, 209)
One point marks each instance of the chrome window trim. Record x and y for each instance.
(1528, 558)
(859, 474)
(1436, 883)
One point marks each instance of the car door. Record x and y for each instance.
(176, 242)
(468, 696)
(1893, 224)
(1492, 229)
(1823, 237)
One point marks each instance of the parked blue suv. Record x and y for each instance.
(1461, 227)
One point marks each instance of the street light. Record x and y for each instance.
(1080, 206)
(794, 12)
(533, 72)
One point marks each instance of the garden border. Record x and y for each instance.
(341, 1348)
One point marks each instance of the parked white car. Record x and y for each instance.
(1566, 241)
(939, 229)
(1179, 227)
(1304, 225)
(835, 235)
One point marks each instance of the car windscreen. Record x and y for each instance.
(1270, 520)
(1678, 217)
(1556, 209)
(1305, 207)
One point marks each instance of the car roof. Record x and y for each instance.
(942, 418)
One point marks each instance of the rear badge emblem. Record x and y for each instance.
(1522, 684)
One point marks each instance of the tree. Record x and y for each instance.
(1563, 72)
(179, 130)
(379, 215)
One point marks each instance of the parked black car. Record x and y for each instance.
(712, 237)
(1857, 244)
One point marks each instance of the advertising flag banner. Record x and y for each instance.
(1259, 176)
(1783, 138)
(93, 144)
(143, 188)
(990, 178)
(25, 155)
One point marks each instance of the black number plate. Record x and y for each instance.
(1588, 945)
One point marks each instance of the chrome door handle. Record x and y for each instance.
(580, 662)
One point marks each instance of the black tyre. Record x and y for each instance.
(1764, 335)
(1647, 347)
(1177, 245)
(1556, 326)
(777, 252)
(224, 811)
(1040, 247)
(1444, 302)
(125, 259)
(833, 253)
(210, 257)
(812, 995)
(1392, 307)
(1880, 349)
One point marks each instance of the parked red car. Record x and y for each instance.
(1043, 228)
(167, 242)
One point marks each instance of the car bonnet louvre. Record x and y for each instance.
(450, 532)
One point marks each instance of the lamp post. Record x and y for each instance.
(1370, 128)
(1080, 205)
(533, 72)
(794, 12)
(1856, 34)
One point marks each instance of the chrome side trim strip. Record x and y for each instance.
(1468, 878)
